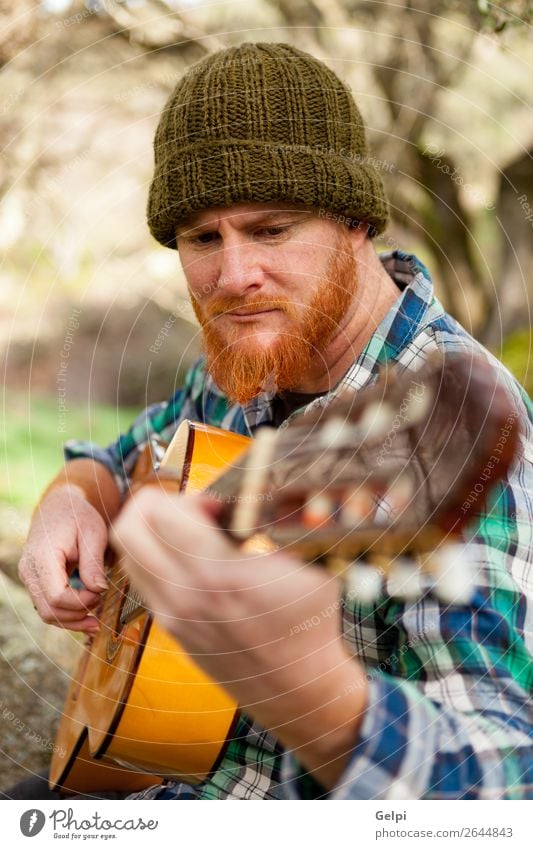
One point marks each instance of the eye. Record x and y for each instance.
(204, 238)
(272, 232)
(198, 241)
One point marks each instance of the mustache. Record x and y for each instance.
(220, 306)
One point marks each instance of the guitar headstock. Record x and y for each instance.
(385, 477)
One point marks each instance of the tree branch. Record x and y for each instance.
(154, 26)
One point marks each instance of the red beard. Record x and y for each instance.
(242, 368)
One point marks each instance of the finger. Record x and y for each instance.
(154, 586)
(82, 621)
(155, 571)
(58, 593)
(160, 590)
(92, 543)
(48, 580)
(212, 506)
(188, 526)
(182, 524)
(143, 556)
(75, 600)
(69, 612)
(88, 626)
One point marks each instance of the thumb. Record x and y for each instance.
(209, 505)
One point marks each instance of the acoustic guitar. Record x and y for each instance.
(376, 486)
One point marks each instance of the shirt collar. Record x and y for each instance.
(412, 311)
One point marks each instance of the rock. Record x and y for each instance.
(35, 660)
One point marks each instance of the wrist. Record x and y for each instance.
(92, 482)
(58, 491)
(330, 713)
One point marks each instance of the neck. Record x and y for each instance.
(376, 293)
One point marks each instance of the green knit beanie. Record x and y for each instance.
(261, 122)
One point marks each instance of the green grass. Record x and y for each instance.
(31, 441)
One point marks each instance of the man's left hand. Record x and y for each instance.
(265, 626)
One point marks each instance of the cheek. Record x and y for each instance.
(307, 261)
(305, 283)
(199, 288)
(197, 309)
(201, 274)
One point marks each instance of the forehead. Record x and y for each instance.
(242, 212)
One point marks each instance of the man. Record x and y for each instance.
(263, 184)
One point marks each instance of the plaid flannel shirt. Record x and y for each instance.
(450, 712)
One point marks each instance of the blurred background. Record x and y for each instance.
(94, 320)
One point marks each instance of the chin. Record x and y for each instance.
(261, 341)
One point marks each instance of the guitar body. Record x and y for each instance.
(138, 707)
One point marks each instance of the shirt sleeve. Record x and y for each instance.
(450, 712)
(160, 420)
(413, 748)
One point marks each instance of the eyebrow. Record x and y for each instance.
(189, 224)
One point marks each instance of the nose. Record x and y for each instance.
(240, 270)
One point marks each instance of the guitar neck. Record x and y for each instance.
(400, 458)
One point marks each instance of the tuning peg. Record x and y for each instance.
(318, 510)
(453, 573)
(418, 404)
(405, 579)
(361, 582)
(333, 432)
(376, 419)
(358, 506)
(399, 494)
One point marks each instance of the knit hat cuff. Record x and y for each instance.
(227, 171)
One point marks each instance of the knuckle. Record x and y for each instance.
(54, 600)
(48, 617)
(31, 582)
(92, 520)
(219, 588)
(25, 562)
(144, 504)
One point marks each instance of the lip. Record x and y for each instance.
(244, 313)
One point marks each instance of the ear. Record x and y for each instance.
(359, 234)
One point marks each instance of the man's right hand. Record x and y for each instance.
(66, 531)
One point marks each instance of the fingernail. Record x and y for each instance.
(100, 582)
